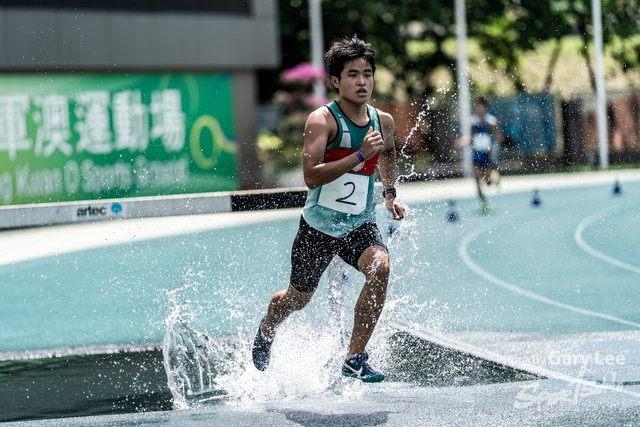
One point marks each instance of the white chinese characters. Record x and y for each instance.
(94, 122)
(13, 124)
(168, 119)
(92, 112)
(54, 132)
(130, 121)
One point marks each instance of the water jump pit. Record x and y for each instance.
(523, 316)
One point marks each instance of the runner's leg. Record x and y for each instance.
(282, 304)
(374, 263)
(477, 175)
(311, 253)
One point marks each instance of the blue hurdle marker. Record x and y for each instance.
(617, 188)
(536, 200)
(452, 214)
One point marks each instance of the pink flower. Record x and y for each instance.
(304, 73)
(285, 98)
(315, 101)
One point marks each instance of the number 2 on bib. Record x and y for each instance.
(347, 194)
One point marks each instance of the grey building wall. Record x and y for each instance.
(66, 40)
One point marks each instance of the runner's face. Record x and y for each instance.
(481, 109)
(356, 81)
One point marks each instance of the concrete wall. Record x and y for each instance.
(43, 214)
(65, 40)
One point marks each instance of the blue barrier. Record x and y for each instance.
(527, 120)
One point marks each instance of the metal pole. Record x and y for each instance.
(601, 94)
(317, 49)
(463, 83)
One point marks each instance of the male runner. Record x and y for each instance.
(485, 138)
(343, 142)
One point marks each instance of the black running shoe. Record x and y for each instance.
(261, 350)
(356, 366)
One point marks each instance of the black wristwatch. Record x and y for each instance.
(391, 191)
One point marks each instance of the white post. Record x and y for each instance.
(601, 93)
(317, 49)
(463, 83)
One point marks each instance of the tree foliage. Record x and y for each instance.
(411, 35)
(389, 25)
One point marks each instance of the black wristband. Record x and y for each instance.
(391, 191)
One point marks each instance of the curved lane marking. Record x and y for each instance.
(577, 236)
(464, 255)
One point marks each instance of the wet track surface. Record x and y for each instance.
(496, 315)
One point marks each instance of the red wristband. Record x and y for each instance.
(360, 156)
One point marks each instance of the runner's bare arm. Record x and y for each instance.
(463, 141)
(318, 131)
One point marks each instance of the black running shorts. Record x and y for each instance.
(313, 251)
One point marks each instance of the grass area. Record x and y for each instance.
(570, 76)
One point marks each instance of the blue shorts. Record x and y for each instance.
(313, 250)
(482, 159)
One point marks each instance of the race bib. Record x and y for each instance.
(481, 141)
(347, 194)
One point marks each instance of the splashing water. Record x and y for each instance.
(306, 356)
(310, 346)
(406, 156)
(190, 356)
(421, 115)
(402, 305)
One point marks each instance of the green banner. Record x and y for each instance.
(66, 137)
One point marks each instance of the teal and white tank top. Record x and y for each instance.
(341, 206)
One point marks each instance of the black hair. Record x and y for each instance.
(483, 101)
(347, 50)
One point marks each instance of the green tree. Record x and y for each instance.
(408, 35)
(504, 33)
(504, 30)
(621, 23)
(411, 35)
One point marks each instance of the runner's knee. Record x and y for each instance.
(376, 267)
(297, 300)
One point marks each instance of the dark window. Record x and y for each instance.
(236, 7)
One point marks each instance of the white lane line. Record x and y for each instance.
(448, 342)
(464, 255)
(577, 236)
